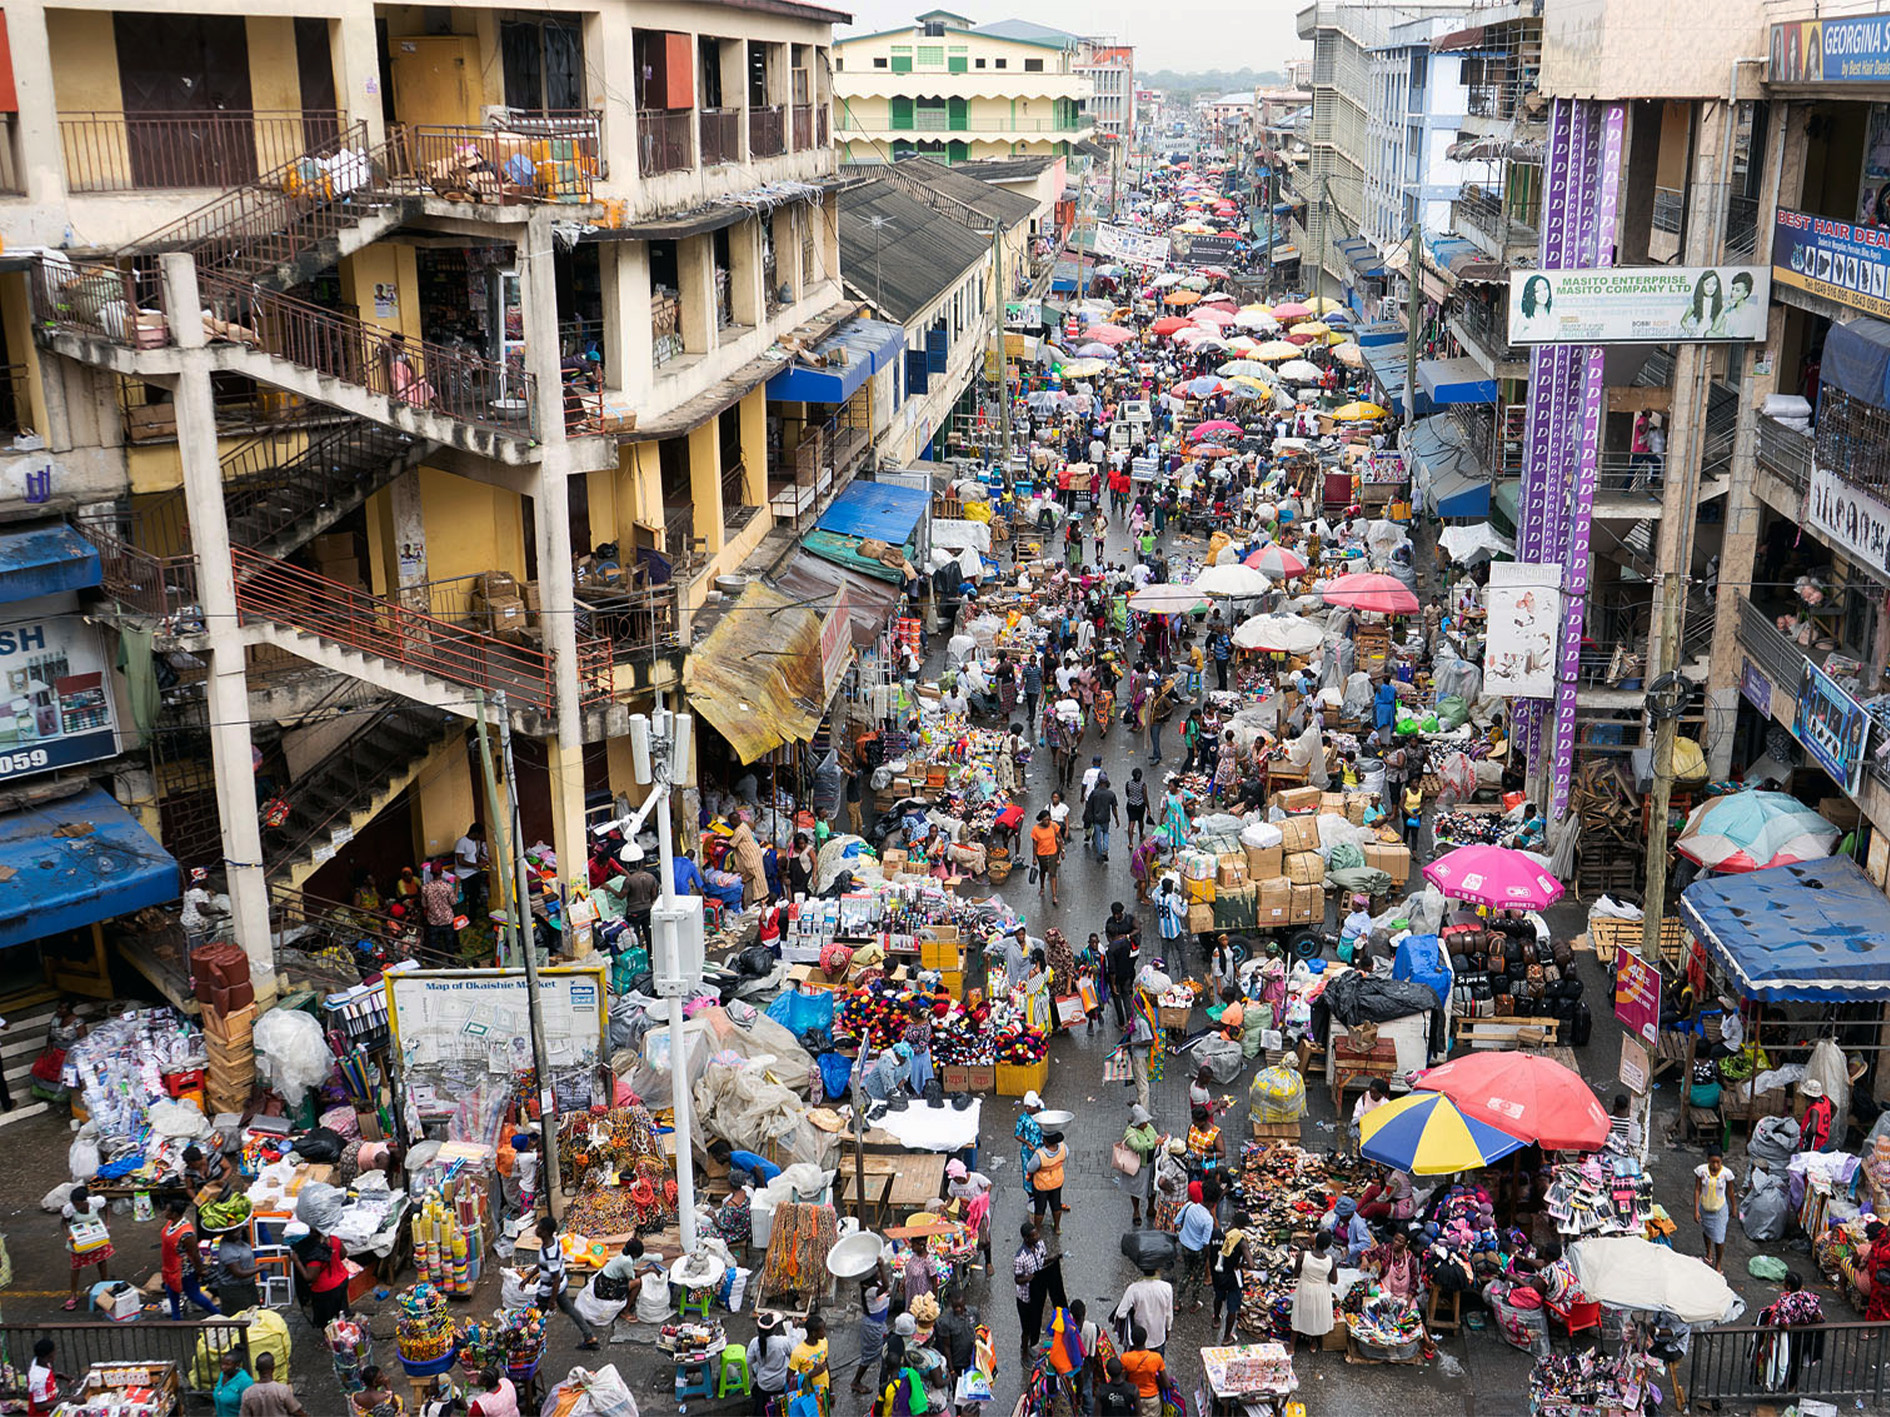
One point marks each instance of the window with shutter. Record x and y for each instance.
(937, 346)
(918, 377)
(902, 59)
(957, 61)
(902, 115)
(960, 115)
(956, 151)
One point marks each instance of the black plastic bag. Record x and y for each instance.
(1150, 1250)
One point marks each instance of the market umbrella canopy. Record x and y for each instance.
(1096, 351)
(1276, 561)
(1357, 411)
(1292, 310)
(1203, 387)
(1301, 371)
(1236, 581)
(1279, 634)
(1368, 590)
(1348, 354)
(1216, 315)
(1423, 1134)
(1161, 599)
(1084, 368)
(1180, 297)
(1310, 327)
(1628, 1272)
(1216, 425)
(1109, 334)
(1168, 324)
(1526, 1094)
(1752, 830)
(1276, 349)
(1494, 875)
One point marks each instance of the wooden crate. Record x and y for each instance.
(1485, 1034)
(1275, 1131)
(1609, 937)
(236, 1026)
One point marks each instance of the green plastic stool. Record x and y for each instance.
(699, 1300)
(733, 1373)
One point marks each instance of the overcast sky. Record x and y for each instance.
(1167, 34)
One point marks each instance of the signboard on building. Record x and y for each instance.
(1637, 996)
(1838, 260)
(1385, 468)
(1639, 305)
(1023, 314)
(1524, 604)
(484, 1016)
(1832, 726)
(56, 707)
(1851, 519)
(1851, 50)
(1137, 248)
(1192, 250)
(1756, 687)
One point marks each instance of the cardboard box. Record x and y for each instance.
(150, 421)
(1299, 834)
(345, 569)
(1393, 859)
(529, 592)
(1275, 902)
(981, 1077)
(1298, 799)
(956, 1077)
(954, 981)
(894, 862)
(1333, 803)
(1198, 892)
(1264, 861)
(1232, 873)
(1305, 868)
(496, 585)
(1355, 805)
(1309, 905)
(1200, 918)
(940, 954)
(334, 546)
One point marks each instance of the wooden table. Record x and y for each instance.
(1351, 1068)
(895, 1184)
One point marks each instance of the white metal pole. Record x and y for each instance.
(678, 1069)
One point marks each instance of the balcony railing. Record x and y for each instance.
(662, 140)
(803, 114)
(137, 152)
(767, 135)
(497, 166)
(97, 300)
(1840, 1360)
(721, 136)
(1486, 213)
(1670, 207)
(1488, 329)
(1786, 451)
(1742, 228)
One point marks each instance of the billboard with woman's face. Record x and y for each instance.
(1639, 305)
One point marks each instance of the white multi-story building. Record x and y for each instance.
(1418, 100)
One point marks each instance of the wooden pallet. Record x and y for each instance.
(1608, 937)
(1275, 1131)
(1484, 1034)
(1597, 874)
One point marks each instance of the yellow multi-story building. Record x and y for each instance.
(478, 406)
(944, 87)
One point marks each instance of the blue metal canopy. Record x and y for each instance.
(876, 509)
(865, 346)
(1815, 930)
(1450, 381)
(76, 862)
(44, 559)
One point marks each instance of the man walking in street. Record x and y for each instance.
(1099, 815)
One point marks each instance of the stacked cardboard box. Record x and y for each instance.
(231, 1076)
(1305, 868)
(1299, 834)
(1265, 861)
(1276, 902)
(1297, 799)
(1393, 858)
(498, 607)
(1309, 905)
(1233, 870)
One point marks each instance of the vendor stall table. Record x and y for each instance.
(1253, 1379)
(894, 1184)
(1352, 1068)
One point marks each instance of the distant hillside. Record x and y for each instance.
(1209, 81)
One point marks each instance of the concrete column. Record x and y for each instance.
(744, 277)
(695, 277)
(358, 68)
(408, 532)
(228, 684)
(558, 607)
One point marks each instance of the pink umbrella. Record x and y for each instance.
(1292, 310)
(1495, 876)
(1109, 334)
(1277, 562)
(1216, 425)
(1213, 315)
(1366, 590)
(1220, 297)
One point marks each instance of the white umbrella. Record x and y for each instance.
(1162, 599)
(1301, 371)
(1237, 581)
(1465, 544)
(1627, 1272)
(1287, 634)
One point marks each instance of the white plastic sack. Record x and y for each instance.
(599, 1313)
(1610, 908)
(603, 1394)
(1261, 835)
(319, 1206)
(82, 1158)
(291, 1054)
(1826, 1064)
(1222, 1057)
(513, 1293)
(1766, 1208)
(178, 1119)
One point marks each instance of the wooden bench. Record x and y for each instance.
(1528, 1034)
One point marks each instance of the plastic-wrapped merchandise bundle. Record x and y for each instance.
(447, 1243)
(423, 1330)
(1277, 1094)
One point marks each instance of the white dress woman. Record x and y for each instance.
(1312, 1295)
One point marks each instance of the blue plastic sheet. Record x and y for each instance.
(1816, 930)
(1421, 959)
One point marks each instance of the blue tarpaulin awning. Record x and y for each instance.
(1362, 255)
(876, 509)
(1386, 363)
(1857, 356)
(869, 345)
(45, 559)
(1450, 381)
(75, 862)
(1379, 332)
(1459, 486)
(1814, 931)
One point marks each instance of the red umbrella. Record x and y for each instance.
(1276, 561)
(1109, 334)
(1366, 590)
(1524, 1094)
(1212, 450)
(1168, 324)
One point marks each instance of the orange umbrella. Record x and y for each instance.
(1181, 297)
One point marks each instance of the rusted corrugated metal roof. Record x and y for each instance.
(757, 675)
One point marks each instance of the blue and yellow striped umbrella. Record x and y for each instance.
(1425, 1135)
